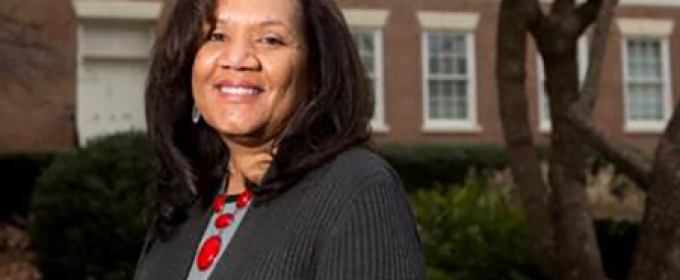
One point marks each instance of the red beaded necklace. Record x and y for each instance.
(211, 247)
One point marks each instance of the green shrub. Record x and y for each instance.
(423, 166)
(88, 213)
(18, 172)
(473, 232)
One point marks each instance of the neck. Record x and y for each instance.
(247, 163)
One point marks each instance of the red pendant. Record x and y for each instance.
(224, 220)
(208, 252)
(243, 199)
(219, 203)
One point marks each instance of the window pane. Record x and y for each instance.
(434, 100)
(365, 41)
(369, 63)
(460, 100)
(645, 80)
(645, 102)
(448, 91)
(545, 107)
(433, 44)
(644, 58)
(448, 99)
(434, 65)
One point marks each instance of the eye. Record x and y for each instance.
(271, 40)
(216, 37)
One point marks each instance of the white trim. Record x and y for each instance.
(668, 3)
(646, 27)
(652, 3)
(646, 126)
(378, 123)
(110, 52)
(117, 10)
(380, 128)
(469, 125)
(450, 21)
(366, 17)
(447, 128)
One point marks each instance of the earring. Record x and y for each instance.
(195, 115)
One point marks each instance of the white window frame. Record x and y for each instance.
(126, 10)
(373, 21)
(654, 29)
(464, 24)
(545, 124)
(644, 3)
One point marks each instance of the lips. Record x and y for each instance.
(238, 88)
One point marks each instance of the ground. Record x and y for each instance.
(15, 255)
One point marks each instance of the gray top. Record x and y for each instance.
(226, 235)
(347, 219)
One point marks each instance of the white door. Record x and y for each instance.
(112, 70)
(111, 97)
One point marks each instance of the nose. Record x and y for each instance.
(239, 55)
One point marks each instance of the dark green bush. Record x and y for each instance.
(423, 166)
(88, 213)
(18, 173)
(473, 232)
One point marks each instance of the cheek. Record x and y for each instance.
(204, 63)
(289, 74)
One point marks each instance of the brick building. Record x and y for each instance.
(432, 63)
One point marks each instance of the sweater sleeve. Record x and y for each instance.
(374, 238)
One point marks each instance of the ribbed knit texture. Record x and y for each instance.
(347, 220)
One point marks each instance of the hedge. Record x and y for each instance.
(88, 209)
(423, 166)
(18, 173)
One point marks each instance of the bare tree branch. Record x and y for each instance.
(589, 91)
(587, 13)
(624, 158)
(562, 7)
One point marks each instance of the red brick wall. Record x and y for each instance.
(37, 75)
(42, 116)
(403, 73)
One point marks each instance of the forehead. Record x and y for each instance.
(285, 12)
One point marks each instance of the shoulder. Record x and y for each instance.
(359, 168)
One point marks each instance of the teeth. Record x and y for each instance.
(238, 90)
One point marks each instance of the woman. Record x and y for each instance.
(258, 113)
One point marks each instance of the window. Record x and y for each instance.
(647, 96)
(544, 123)
(369, 45)
(646, 84)
(449, 101)
(366, 25)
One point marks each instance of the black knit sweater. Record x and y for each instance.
(347, 220)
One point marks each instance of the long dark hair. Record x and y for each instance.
(191, 158)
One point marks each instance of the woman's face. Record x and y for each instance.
(250, 74)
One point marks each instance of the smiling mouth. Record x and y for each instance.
(239, 90)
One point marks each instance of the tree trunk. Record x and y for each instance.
(576, 244)
(524, 161)
(566, 246)
(657, 255)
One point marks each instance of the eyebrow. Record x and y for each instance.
(267, 21)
